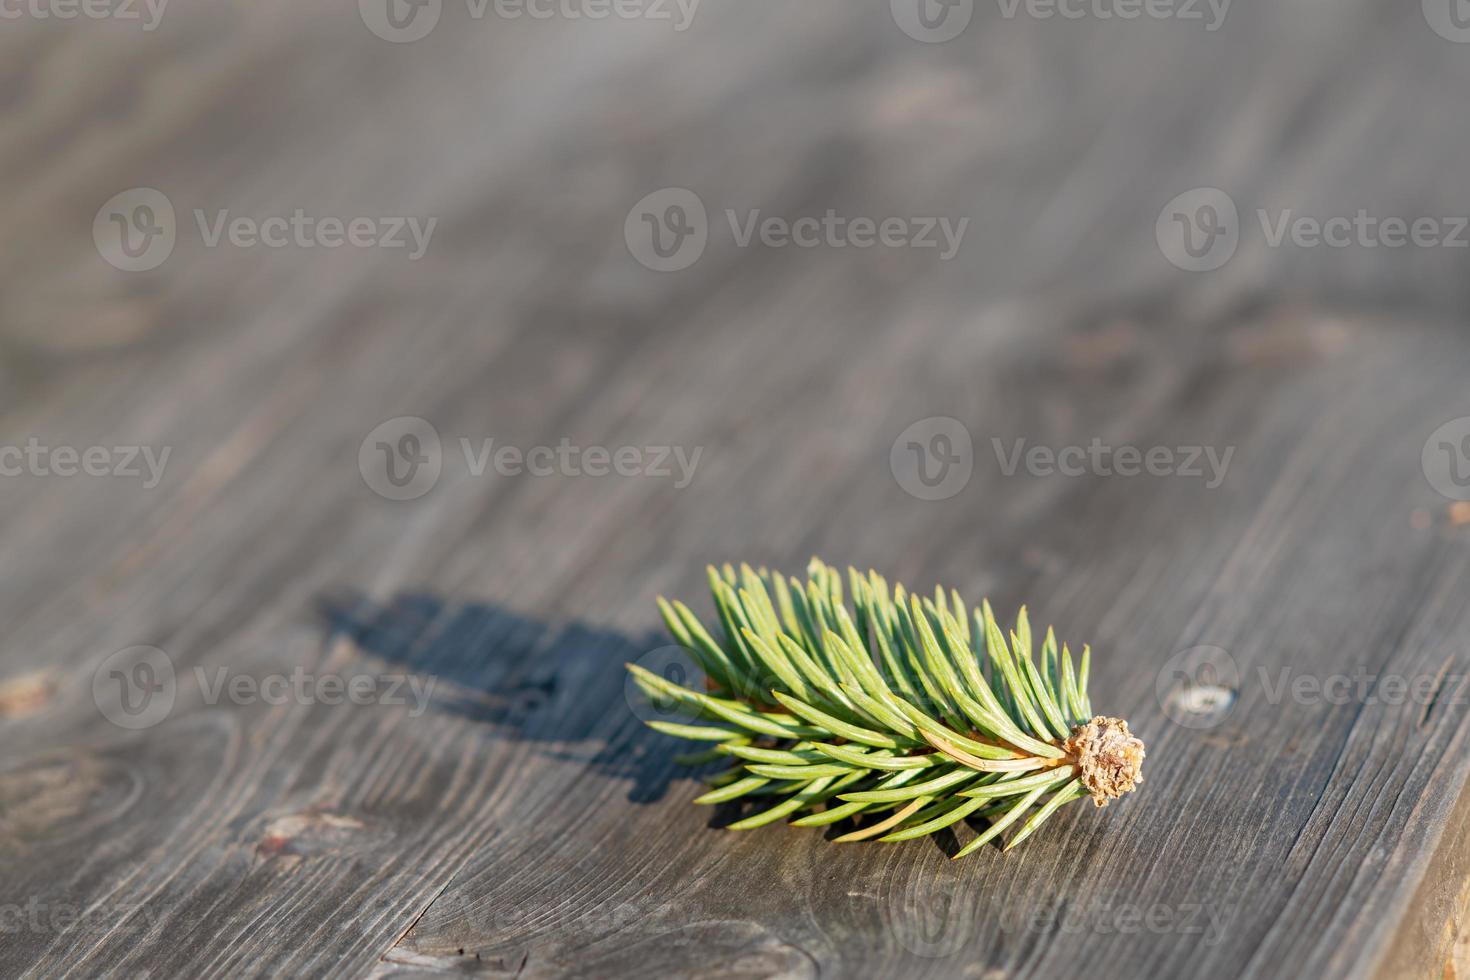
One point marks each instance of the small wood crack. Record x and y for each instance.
(422, 912)
(1433, 699)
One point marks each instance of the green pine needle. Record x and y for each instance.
(908, 713)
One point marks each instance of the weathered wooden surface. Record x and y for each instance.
(526, 824)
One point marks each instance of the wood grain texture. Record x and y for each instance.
(525, 823)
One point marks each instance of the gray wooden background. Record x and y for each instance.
(524, 823)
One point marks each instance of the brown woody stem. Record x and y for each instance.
(1108, 757)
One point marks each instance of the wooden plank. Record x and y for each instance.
(1256, 843)
(526, 824)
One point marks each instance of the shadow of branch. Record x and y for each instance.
(561, 688)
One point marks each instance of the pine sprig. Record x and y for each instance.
(905, 713)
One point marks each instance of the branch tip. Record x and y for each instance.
(1108, 756)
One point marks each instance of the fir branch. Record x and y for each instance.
(908, 713)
